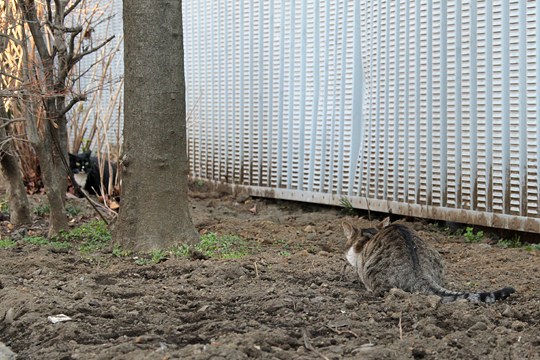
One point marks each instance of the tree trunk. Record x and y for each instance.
(52, 169)
(154, 212)
(19, 208)
(54, 178)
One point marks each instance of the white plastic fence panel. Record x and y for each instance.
(419, 108)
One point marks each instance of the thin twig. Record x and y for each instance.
(256, 271)
(400, 328)
(76, 58)
(343, 271)
(310, 347)
(342, 332)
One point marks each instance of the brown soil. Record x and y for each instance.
(288, 300)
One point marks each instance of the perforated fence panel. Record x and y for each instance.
(427, 109)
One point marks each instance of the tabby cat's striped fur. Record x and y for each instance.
(394, 256)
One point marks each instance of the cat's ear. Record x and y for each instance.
(88, 153)
(384, 223)
(349, 230)
(71, 156)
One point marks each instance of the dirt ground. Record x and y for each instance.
(290, 299)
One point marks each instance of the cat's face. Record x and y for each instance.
(80, 163)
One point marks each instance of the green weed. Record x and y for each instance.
(514, 242)
(42, 210)
(43, 241)
(471, 237)
(181, 250)
(37, 240)
(214, 246)
(72, 210)
(155, 257)
(348, 208)
(94, 236)
(119, 252)
(532, 247)
(7, 243)
(224, 247)
(59, 244)
(4, 206)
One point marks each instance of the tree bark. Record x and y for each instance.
(19, 208)
(154, 213)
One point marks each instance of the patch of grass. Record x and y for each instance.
(43, 241)
(181, 251)
(59, 244)
(155, 257)
(532, 247)
(94, 236)
(222, 247)
(284, 253)
(142, 261)
(7, 243)
(471, 237)
(42, 210)
(72, 210)
(514, 242)
(215, 246)
(37, 240)
(4, 206)
(158, 256)
(119, 252)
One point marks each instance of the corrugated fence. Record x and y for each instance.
(427, 109)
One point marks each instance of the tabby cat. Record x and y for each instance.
(86, 172)
(394, 256)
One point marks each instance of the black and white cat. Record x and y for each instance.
(85, 168)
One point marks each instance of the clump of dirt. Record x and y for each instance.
(290, 299)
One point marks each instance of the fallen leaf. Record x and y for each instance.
(114, 205)
(254, 209)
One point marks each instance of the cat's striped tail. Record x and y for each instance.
(485, 297)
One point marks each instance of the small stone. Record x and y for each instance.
(6, 353)
(398, 293)
(508, 311)
(10, 316)
(78, 295)
(518, 325)
(309, 229)
(479, 326)
(350, 304)
(242, 197)
(433, 330)
(433, 301)
(311, 236)
(94, 302)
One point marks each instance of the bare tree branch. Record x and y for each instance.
(72, 102)
(71, 8)
(6, 122)
(29, 12)
(11, 38)
(79, 56)
(74, 34)
(49, 12)
(3, 73)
